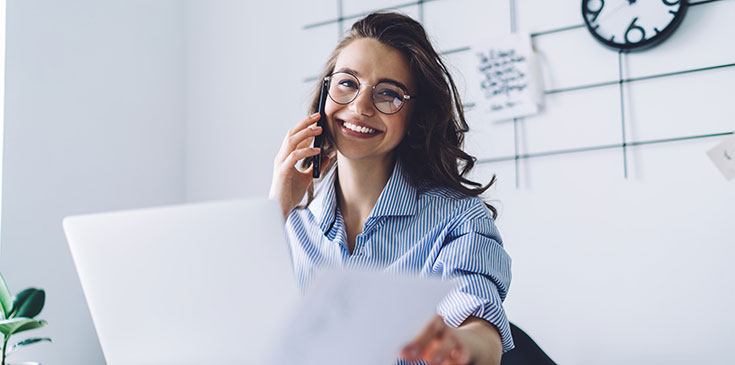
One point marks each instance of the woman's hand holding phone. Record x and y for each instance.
(289, 184)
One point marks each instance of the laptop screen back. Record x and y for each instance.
(195, 283)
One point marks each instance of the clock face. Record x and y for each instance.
(632, 24)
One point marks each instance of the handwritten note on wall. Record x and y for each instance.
(507, 77)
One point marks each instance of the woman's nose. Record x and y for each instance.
(363, 103)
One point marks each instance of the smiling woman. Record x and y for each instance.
(394, 195)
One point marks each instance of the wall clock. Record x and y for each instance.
(632, 25)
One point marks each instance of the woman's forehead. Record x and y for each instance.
(372, 61)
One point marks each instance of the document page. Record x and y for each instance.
(358, 317)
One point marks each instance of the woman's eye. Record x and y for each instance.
(389, 94)
(348, 83)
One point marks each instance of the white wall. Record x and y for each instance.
(607, 270)
(93, 122)
(242, 82)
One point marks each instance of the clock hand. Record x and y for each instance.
(615, 10)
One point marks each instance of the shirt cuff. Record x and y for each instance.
(458, 306)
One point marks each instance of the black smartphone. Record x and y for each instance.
(316, 161)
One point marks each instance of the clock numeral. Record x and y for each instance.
(670, 3)
(632, 28)
(594, 12)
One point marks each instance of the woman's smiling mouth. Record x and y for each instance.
(356, 130)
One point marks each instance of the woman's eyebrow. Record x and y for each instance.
(348, 70)
(355, 73)
(394, 82)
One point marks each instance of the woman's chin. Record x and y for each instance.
(361, 156)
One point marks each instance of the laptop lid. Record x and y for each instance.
(185, 284)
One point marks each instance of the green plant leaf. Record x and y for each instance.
(30, 304)
(20, 298)
(15, 325)
(26, 342)
(6, 299)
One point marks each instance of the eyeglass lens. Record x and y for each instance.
(387, 97)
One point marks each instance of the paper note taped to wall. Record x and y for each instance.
(507, 77)
(723, 155)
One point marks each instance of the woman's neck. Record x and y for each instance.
(360, 183)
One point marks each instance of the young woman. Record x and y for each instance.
(393, 193)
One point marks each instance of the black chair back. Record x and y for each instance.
(526, 352)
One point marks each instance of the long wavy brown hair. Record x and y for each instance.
(431, 152)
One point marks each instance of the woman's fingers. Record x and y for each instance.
(437, 344)
(304, 137)
(440, 351)
(298, 139)
(303, 124)
(419, 344)
(446, 351)
(432, 352)
(459, 355)
(299, 154)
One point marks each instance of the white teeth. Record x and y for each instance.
(357, 128)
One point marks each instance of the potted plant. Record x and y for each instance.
(16, 315)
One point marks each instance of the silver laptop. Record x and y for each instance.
(188, 284)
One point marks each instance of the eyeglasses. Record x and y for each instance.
(388, 97)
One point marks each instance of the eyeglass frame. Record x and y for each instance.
(406, 96)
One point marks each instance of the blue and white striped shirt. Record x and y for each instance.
(425, 231)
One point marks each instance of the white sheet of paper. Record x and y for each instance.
(507, 77)
(359, 317)
(723, 155)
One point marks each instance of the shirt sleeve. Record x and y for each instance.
(473, 255)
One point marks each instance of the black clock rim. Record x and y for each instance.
(660, 37)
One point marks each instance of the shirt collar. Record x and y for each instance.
(398, 198)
